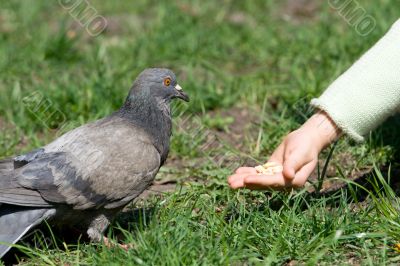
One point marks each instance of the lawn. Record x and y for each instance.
(250, 68)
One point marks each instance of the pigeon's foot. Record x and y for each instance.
(109, 244)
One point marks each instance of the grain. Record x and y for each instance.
(269, 168)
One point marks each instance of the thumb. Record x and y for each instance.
(292, 163)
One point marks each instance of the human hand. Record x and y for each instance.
(298, 153)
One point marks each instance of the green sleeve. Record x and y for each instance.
(367, 93)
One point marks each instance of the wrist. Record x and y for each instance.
(324, 129)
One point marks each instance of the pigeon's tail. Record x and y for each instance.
(16, 221)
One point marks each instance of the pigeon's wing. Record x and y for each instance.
(24, 159)
(13, 193)
(10, 164)
(34, 184)
(47, 174)
(56, 178)
(6, 166)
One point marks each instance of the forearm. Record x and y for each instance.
(323, 128)
(366, 94)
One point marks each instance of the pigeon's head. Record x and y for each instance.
(158, 83)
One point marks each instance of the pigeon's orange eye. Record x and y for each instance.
(167, 82)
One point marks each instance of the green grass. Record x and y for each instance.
(230, 56)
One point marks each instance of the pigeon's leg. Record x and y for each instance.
(96, 232)
(97, 228)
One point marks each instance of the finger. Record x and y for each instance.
(289, 168)
(266, 181)
(276, 182)
(246, 170)
(293, 162)
(304, 173)
(237, 181)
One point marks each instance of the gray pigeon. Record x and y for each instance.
(85, 177)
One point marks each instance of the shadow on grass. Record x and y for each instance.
(131, 221)
(390, 135)
(46, 237)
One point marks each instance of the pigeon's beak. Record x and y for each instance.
(181, 94)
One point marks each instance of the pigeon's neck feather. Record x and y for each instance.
(153, 116)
